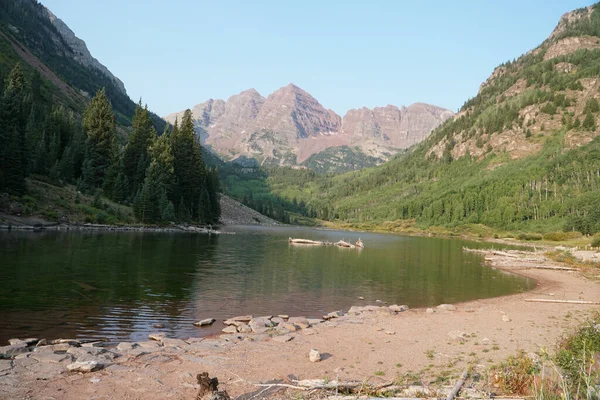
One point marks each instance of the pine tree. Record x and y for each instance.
(13, 118)
(188, 168)
(135, 158)
(99, 127)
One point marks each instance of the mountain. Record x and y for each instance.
(523, 154)
(290, 126)
(31, 33)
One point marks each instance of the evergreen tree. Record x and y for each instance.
(135, 158)
(99, 127)
(187, 167)
(13, 149)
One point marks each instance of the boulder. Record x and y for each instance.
(244, 329)
(51, 357)
(277, 320)
(397, 308)
(243, 318)
(126, 346)
(314, 355)
(384, 311)
(28, 341)
(331, 315)
(290, 327)
(314, 321)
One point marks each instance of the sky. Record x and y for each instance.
(346, 53)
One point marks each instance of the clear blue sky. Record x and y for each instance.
(348, 54)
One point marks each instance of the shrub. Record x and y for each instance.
(515, 375)
(555, 236)
(101, 218)
(529, 236)
(596, 241)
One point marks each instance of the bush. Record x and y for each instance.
(555, 236)
(101, 218)
(529, 236)
(515, 375)
(596, 241)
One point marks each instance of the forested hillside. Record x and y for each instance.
(522, 154)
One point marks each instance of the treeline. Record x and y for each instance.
(163, 177)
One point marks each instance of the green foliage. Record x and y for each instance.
(99, 127)
(515, 375)
(591, 106)
(596, 241)
(555, 236)
(576, 357)
(589, 123)
(339, 160)
(13, 148)
(529, 236)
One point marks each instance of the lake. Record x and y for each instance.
(118, 285)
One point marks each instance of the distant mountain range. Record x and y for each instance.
(290, 126)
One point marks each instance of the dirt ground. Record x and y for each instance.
(416, 345)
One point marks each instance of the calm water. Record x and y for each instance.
(117, 285)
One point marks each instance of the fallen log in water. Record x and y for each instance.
(563, 301)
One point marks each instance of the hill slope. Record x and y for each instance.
(524, 153)
(43, 41)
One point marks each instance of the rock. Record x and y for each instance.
(51, 357)
(355, 310)
(302, 322)
(156, 336)
(390, 332)
(314, 321)
(457, 336)
(243, 318)
(171, 342)
(137, 352)
(85, 366)
(149, 345)
(28, 341)
(282, 339)
(12, 350)
(361, 298)
(229, 329)
(370, 308)
(314, 356)
(126, 346)
(244, 329)
(505, 318)
(284, 316)
(485, 341)
(384, 311)
(446, 307)
(378, 301)
(42, 342)
(290, 327)
(205, 322)
(231, 322)
(430, 311)
(397, 308)
(5, 365)
(334, 314)
(277, 320)
(158, 326)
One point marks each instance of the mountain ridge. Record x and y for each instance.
(290, 125)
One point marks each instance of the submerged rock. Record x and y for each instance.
(205, 322)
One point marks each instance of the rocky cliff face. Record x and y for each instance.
(81, 54)
(290, 125)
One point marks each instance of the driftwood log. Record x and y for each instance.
(563, 301)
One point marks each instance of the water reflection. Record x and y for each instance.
(118, 285)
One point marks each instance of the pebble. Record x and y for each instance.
(390, 332)
(314, 356)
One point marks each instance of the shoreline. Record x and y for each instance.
(427, 345)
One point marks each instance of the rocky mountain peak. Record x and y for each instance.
(81, 54)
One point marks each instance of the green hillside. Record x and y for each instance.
(523, 154)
